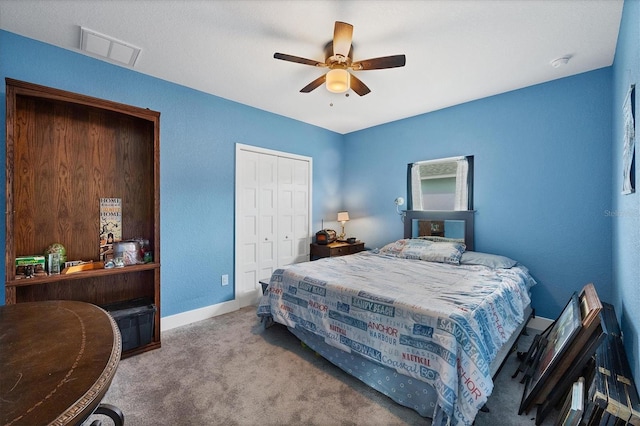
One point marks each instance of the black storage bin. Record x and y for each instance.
(135, 320)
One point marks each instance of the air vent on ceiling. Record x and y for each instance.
(103, 46)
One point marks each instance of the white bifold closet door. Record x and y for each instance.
(293, 211)
(272, 216)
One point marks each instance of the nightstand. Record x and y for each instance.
(335, 249)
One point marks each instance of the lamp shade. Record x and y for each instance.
(338, 81)
(343, 216)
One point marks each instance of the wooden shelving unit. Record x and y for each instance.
(65, 151)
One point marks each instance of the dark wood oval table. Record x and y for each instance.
(57, 361)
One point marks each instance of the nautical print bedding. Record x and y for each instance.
(439, 323)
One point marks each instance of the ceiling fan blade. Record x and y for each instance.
(380, 63)
(298, 60)
(358, 86)
(342, 34)
(314, 84)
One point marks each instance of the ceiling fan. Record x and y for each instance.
(339, 60)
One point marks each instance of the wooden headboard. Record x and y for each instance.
(434, 223)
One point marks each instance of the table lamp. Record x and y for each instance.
(342, 218)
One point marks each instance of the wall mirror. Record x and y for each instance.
(442, 184)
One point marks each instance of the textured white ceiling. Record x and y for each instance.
(456, 50)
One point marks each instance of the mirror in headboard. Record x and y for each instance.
(448, 224)
(442, 184)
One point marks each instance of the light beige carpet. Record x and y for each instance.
(229, 370)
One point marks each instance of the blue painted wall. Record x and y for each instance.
(542, 180)
(198, 133)
(625, 217)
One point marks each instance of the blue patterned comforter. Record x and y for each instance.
(439, 323)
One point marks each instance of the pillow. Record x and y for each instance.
(486, 259)
(393, 249)
(421, 249)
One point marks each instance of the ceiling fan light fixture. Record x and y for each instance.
(338, 80)
(338, 58)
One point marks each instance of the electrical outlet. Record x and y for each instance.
(225, 279)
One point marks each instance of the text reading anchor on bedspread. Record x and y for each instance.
(414, 320)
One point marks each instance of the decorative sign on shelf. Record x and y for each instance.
(110, 225)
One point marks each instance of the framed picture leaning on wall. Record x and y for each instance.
(564, 329)
(564, 349)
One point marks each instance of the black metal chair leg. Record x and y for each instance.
(112, 412)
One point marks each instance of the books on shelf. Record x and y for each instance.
(110, 225)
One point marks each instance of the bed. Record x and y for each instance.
(424, 320)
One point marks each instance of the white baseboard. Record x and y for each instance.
(184, 318)
(539, 323)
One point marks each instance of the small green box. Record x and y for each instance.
(30, 260)
(22, 263)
